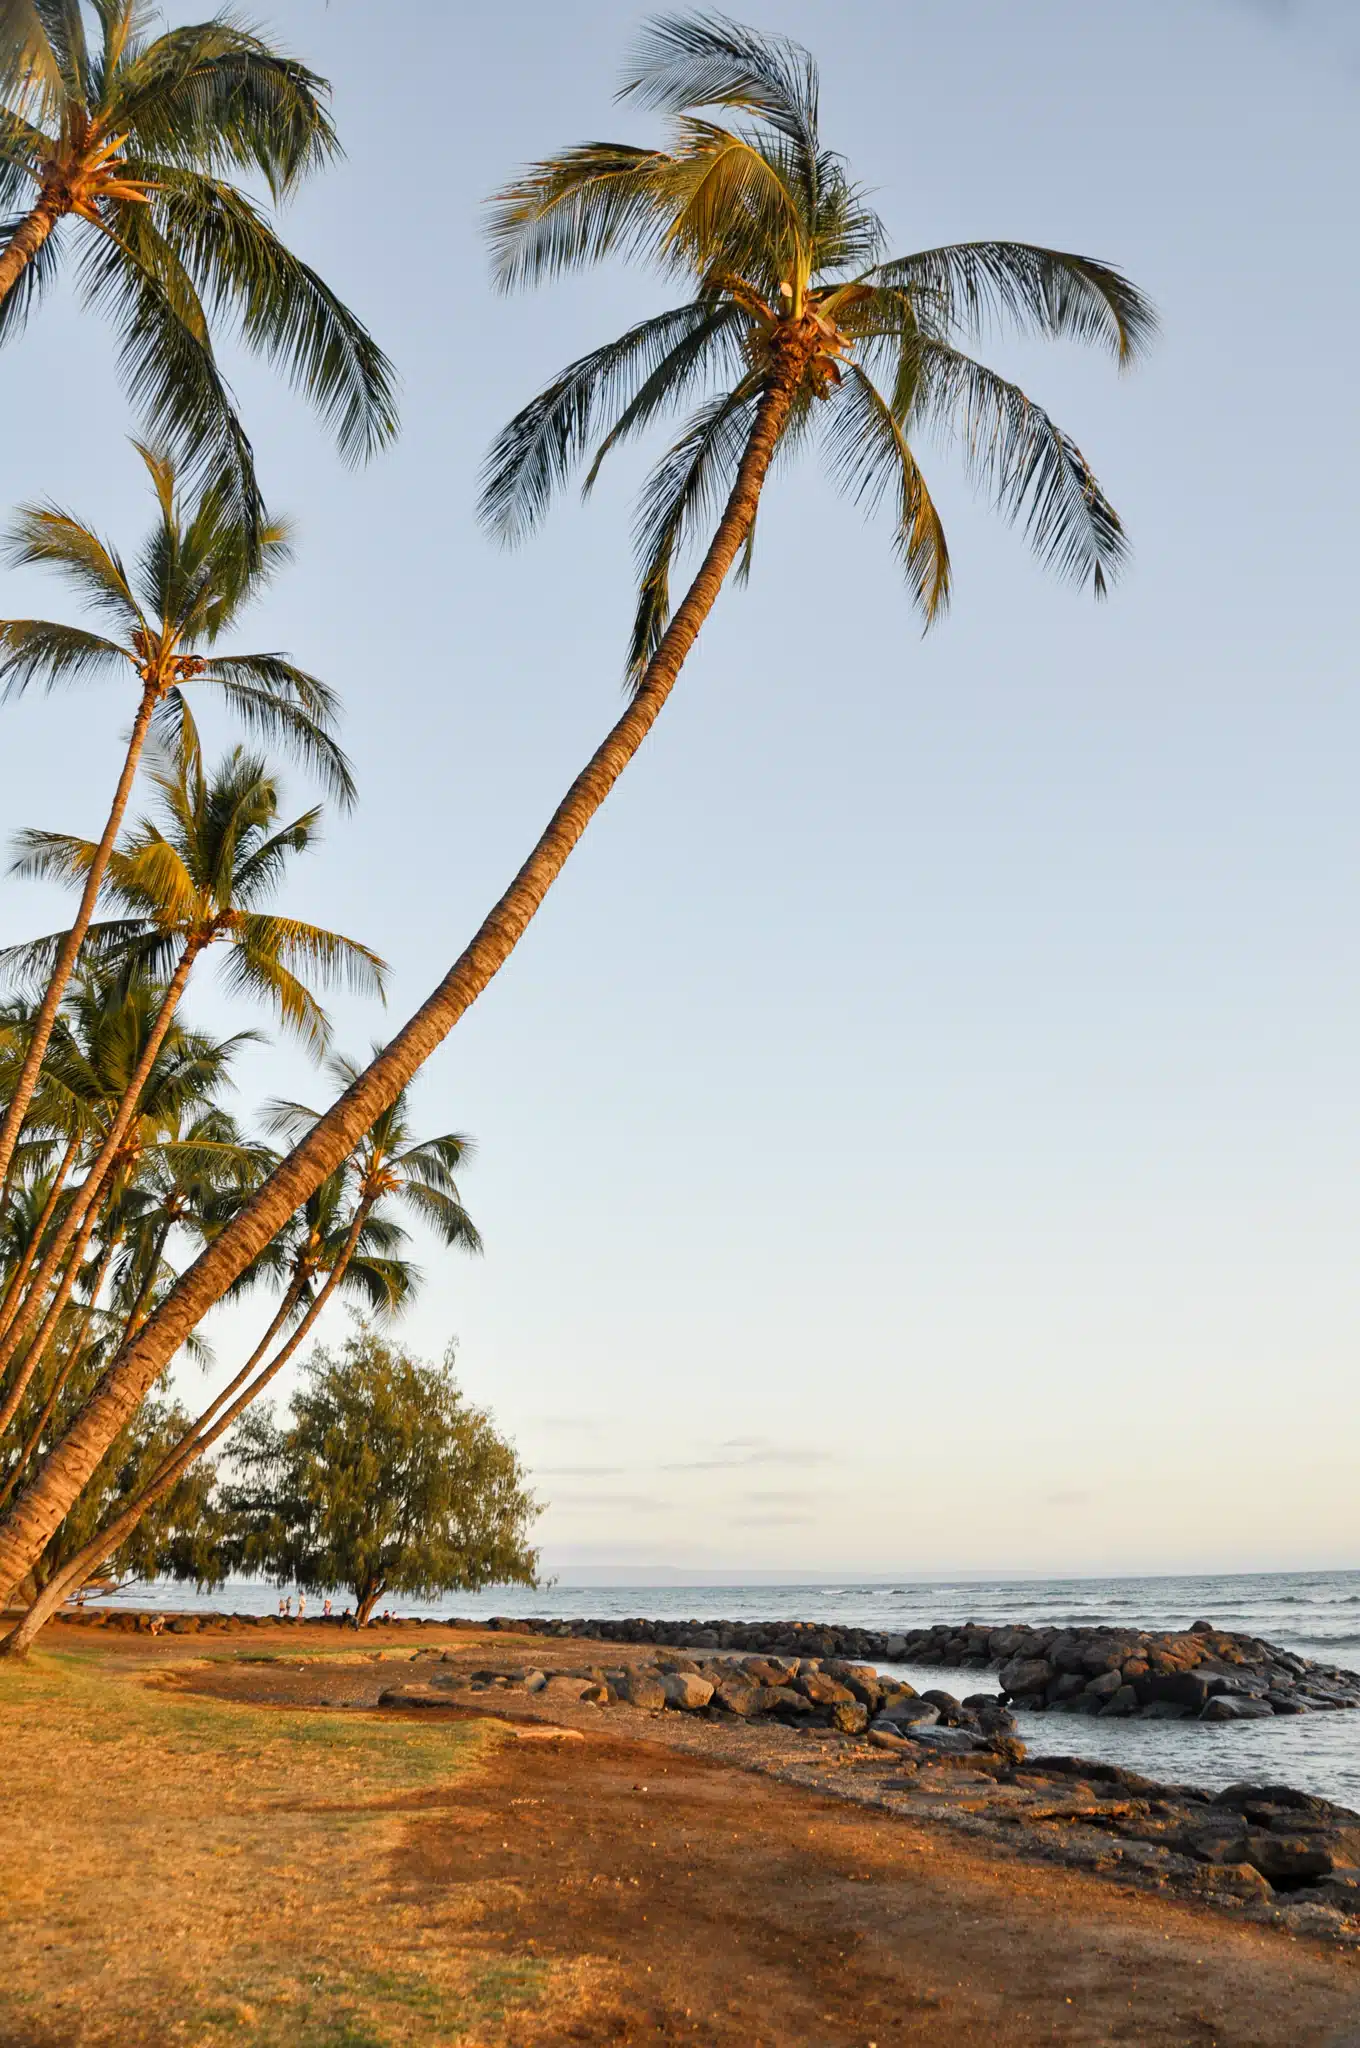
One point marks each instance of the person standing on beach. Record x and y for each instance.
(301, 1604)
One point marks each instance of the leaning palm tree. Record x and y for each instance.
(195, 574)
(196, 882)
(787, 288)
(119, 152)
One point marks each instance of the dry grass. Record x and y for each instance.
(182, 1871)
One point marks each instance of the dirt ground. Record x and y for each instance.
(184, 1868)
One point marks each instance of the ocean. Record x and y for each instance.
(1316, 1614)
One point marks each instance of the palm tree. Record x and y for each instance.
(96, 1059)
(340, 1238)
(187, 1163)
(193, 885)
(193, 578)
(126, 148)
(785, 272)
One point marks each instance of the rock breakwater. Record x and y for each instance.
(1203, 1673)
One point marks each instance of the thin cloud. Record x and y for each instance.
(738, 1453)
(1075, 1499)
(772, 1521)
(580, 1471)
(635, 1503)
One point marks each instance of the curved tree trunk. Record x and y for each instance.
(24, 244)
(84, 1209)
(190, 1448)
(35, 1513)
(74, 939)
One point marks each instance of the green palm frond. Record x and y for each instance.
(684, 61)
(41, 651)
(30, 69)
(283, 703)
(538, 450)
(597, 200)
(686, 485)
(870, 456)
(214, 95)
(45, 536)
(285, 310)
(972, 287)
(1037, 475)
(445, 1215)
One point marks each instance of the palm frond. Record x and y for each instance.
(596, 200)
(966, 288)
(42, 651)
(253, 685)
(166, 359)
(45, 536)
(684, 61)
(1035, 472)
(215, 95)
(285, 309)
(693, 478)
(30, 69)
(869, 456)
(535, 454)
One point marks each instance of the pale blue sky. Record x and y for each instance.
(920, 1132)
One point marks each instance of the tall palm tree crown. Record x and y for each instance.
(126, 142)
(166, 611)
(198, 876)
(790, 284)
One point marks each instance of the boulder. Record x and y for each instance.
(686, 1690)
(1025, 1675)
(737, 1696)
(1120, 1704)
(1106, 1684)
(644, 1689)
(413, 1696)
(1231, 1880)
(563, 1690)
(1288, 1858)
(1224, 1707)
(851, 1717)
(918, 1713)
(950, 1741)
(768, 1670)
(782, 1699)
(824, 1691)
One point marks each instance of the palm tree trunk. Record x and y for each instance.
(69, 1363)
(24, 244)
(84, 1208)
(23, 1266)
(186, 1452)
(35, 1513)
(74, 939)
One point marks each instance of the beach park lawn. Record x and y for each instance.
(182, 1871)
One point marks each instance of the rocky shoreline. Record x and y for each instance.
(1286, 1854)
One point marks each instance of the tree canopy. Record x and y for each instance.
(382, 1480)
